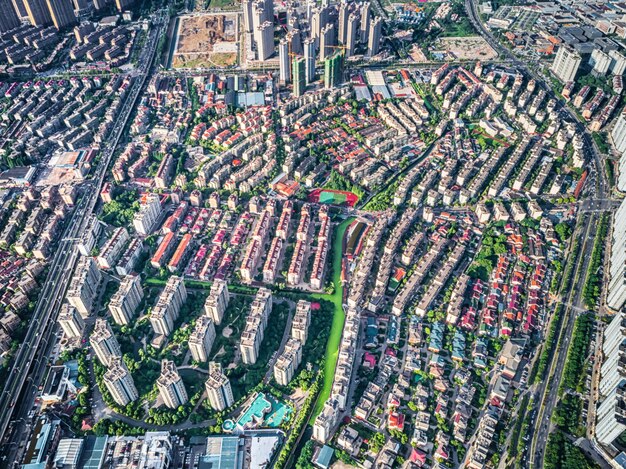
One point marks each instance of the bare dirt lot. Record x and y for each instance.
(467, 48)
(207, 40)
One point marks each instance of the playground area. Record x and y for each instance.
(334, 197)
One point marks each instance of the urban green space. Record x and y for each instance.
(339, 317)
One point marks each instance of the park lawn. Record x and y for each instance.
(339, 317)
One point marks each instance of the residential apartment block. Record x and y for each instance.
(171, 386)
(217, 301)
(218, 388)
(126, 299)
(202, 338)
(256, 322)
(84, 286)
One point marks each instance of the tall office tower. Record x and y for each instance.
(84, 286)
(351, 36)
(264, 36)
(20, 8)
(171, 386)
(120, 383)
(616, 291)
(328, 41)
(566, 63)
(38, 13)
(71, 322)
(218, 388)
(299, 76)
(62, 12)
(104, 343)
(333, 71)
(201, 339)
(342, 20)
(126, 299)
(376, 31)
(123, 4)
(247, 16)
(611, 413)
(217, 301)
(283, 61)
(8, 16)
(366, 18)
(309, 59)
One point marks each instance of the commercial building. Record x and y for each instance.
(288, 362)
(299, 76)
(168, 305)
(84, 286)
(333, 71)
(566, 64)
(126, 299)
(119, 382)
(201, 339)
(62, 13)
(217, 301)
(103, 342)
(71, 321)
(171, 386)
(219, 392)
(256, 322)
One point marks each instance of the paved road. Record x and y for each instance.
(31, 358)
(598, 202)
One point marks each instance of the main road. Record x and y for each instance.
(598, 201)
(30, 360)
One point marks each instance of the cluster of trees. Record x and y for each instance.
(304, 461)
(298, 424)
(567, 414)
(563, 231)
(166, 416)
(383, 200)
(593, 283)
(493, 245)
(120, 211)
(339, 182)
(562, 454)
(573, 374)
(550, 344)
